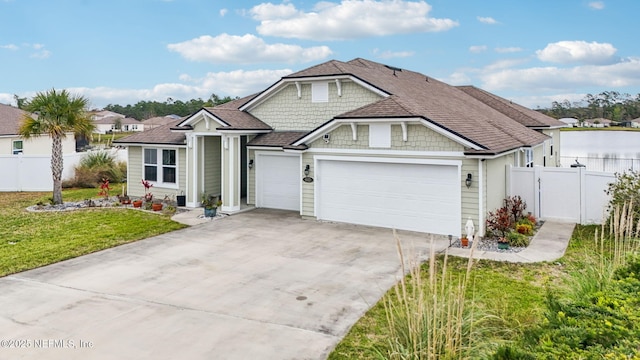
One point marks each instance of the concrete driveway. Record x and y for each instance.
(259, 285)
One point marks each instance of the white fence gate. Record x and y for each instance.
(564, 194)
(33, 173)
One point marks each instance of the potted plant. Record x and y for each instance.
(148, 196)
(210, 205)
(156, 205)
(503, 243)
(137, 203)
(464, 241)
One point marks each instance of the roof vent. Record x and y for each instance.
(394, 69)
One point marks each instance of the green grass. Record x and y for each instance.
(29, 240)
(514, 294)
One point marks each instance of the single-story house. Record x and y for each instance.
(157, 121)
(597, 123)
(13, 144)
(571, 122)
(109, 124)
(357, 142)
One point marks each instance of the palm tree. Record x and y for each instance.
(56, 113)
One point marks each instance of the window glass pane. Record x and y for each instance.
(169, 175)
(17, 147)
(151, 173)
(150, 156)
(168, 157)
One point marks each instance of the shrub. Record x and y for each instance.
(625, 190)
(499, 221)
(96, 166)
(516, 207)
(517, 239)
(524, 228)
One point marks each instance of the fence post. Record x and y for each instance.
(537, 191)
(583, 194)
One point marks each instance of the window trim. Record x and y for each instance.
(528, 157)
(16, 151)
(160, 167)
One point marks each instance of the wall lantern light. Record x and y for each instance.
(306, 170)
(250, 163)
(468, 180)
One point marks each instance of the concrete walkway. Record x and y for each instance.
(549, 244)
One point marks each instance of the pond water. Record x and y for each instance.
(609, 151)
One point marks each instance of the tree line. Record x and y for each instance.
(610, 105)
(143, 110)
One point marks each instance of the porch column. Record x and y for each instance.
(231, 174)
(193, 150)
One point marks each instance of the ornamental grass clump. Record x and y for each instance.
(427, 314)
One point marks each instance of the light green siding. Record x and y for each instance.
(251, 182)
(419, 138)
(135, 175)
(211, 165)
(496, 181)
(469, 197)
(285, 111)
(553, 157)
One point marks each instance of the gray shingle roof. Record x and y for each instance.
(161, 135)
(416, 95)
(278, 139)
(519, 113)
(10, 119)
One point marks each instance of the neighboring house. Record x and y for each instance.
(12, 144)
(597, 123)
(571, 122)
(357, 142)
(635, 123)
(109, 124)
(98, 115)
(158, 121)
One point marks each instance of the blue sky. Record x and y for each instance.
(124, 51)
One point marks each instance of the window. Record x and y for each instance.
(528, 157)
(17, 147)
(551, 145)
(160, 165)
(319, 92)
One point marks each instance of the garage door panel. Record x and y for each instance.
(278, 182)
(403, 196)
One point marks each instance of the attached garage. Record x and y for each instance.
(278, 179)
(408, 196)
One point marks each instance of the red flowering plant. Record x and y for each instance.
(104, 188)
(148, 196)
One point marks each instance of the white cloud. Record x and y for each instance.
(487, 20)
(477, 48)
(223, 12)
(233, 83)
(621, 74)
(458, 78)
(566, 52)
(349, 19)
(596, 5)
(392, 54)
(245, 49)
(506, 50)
(9, 47)
(41, 54)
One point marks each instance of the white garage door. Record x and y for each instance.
(278, 182)
(415, 197)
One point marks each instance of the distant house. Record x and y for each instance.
(597, 123)
(105, 125)
(97, 115)
(635, 123)
(357, 142)
(571, 122)
(158, 121)
(12, 144)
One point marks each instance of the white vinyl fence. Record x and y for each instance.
(33, 173)
(564, 194)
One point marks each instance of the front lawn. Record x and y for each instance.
(512, 305)
(29, 240)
